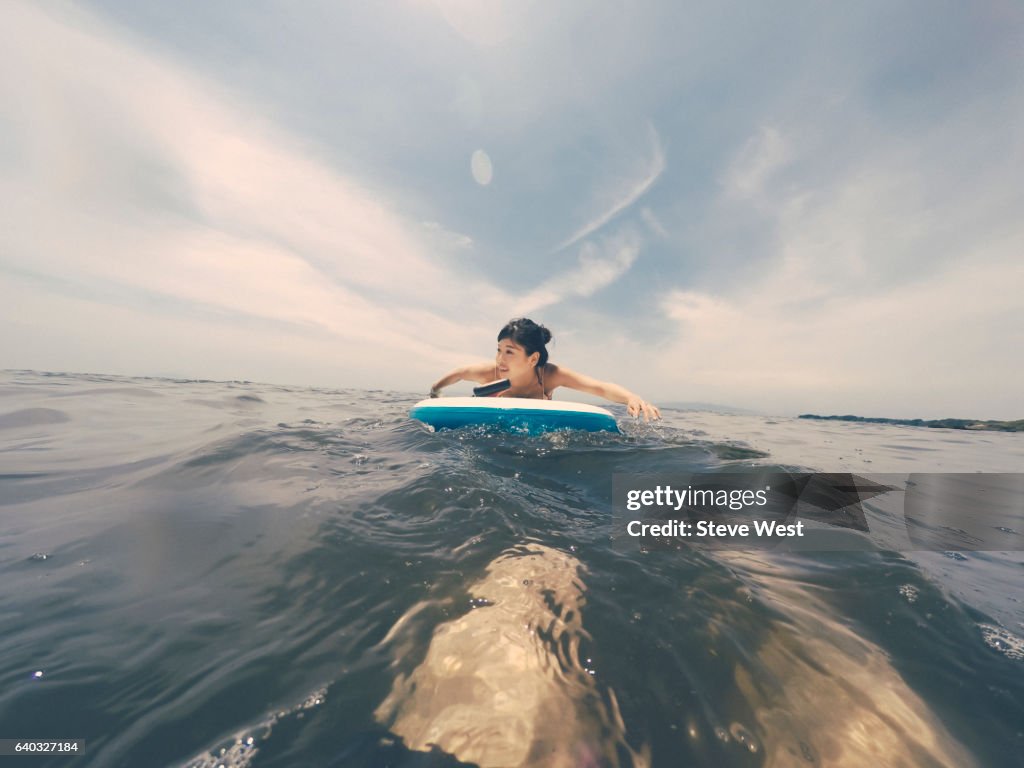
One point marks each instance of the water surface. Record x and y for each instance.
(204, 573)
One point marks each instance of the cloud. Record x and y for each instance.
(196, 178)
(625, 194)
(653, 223)
(484, 22)
(137, 174)
(887, 288)
(446, 239)
(597, 268)
(919, 351)
(762, 155)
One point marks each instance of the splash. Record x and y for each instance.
(244, 746)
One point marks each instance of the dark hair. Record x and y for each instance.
(529, 335)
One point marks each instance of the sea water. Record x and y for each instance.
(200, 573)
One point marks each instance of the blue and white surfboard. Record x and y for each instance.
(515, 414)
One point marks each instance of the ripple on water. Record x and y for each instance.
(744, 737)
(910, 592)
(243, 747)
(32, 417)
(1003, 640)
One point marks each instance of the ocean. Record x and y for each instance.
(200, 573)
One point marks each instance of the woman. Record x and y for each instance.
(523, 359)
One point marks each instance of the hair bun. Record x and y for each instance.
(532, 336)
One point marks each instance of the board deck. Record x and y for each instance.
(515, 414)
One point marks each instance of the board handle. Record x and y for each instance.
(489, 389)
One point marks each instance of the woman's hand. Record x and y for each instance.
(636, 406)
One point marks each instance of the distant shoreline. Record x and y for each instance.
(972, 424)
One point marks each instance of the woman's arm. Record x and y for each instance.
(635, 405)
(478, 372)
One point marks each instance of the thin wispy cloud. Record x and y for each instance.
(598, 267)
(762, 155)
(653, 223)
(484, 22)
(626, 194)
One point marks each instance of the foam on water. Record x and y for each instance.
(1003, 640)
(245, 745)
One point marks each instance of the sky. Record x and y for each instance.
(790, 207)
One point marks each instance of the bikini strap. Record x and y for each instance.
(543, 389)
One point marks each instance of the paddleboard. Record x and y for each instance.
(515, 414)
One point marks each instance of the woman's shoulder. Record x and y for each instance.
(560, 376)
(552, 374)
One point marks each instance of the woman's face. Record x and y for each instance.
(512, 360)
